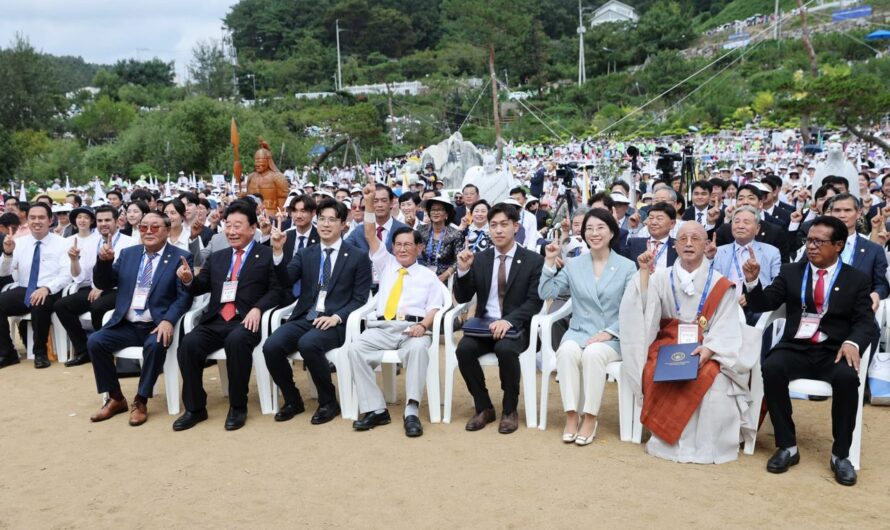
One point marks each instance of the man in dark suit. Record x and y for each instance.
(386, 224)
(826, 330)
(660, 222)
(770, 232)
(301, 235)
(504, 280)
(336, 280)
(149, 303)
(771, 203)
(243, 283)
(702, 206)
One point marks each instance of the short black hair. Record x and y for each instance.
(772, 181)
(834, 179)
(407, 230)
(77, 200)
(471, 186)
(108, 208)
(823, 191)
(753, 189)
(177, 205)
(10, 219)
(142, 205)
(339, 207)
(703, 184)
(409, 196)
(307, 200)
(120, 195)
(838, 228)
(718, 183)
(622, 184)
(242, 207)
(509, 210)
(520, 190)
(205, 203)
(49, 211)
(482, 202)
(668, 209)
(605, 216)
(164, 217)
(188, 196)
(141, 195)
(601, 196)
(842, 197)
(379, 187)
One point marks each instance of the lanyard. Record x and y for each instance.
(735, 260)
(852, 252)
(113, 242)
(664, 247)
(704, 294)
(246, 253)
(429, 256)
(803, 289)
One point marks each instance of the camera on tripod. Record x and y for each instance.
(566, 175)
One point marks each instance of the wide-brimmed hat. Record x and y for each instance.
(79, 210)
(427, 204)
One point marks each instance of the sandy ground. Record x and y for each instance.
(61, 471)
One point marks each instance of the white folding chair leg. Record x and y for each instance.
(450, 367)
(263, 382)
(856, 444)
(223, 377)
(346, 387)
(529, 375)
(432, 388)
(30, 334)
(171, 381)
(389, 382)
(60, 339)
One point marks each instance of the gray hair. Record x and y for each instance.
(750, 209)
(674, 196)
(580, 211)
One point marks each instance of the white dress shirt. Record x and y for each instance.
(132, 316)
(55, 265)
(662, 256)
(336, 247)
(183, 240)
(421, 288)
(305, 237)
(90, 252)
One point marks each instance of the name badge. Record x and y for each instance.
(228, 291)
(319, 305)
(687, 333)
(140, 298)
(809, 326)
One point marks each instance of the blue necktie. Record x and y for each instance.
(144, 279)
(301, 246)
(35, 272)
(323, 284)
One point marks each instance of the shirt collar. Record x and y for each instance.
(158, 253)
(511, 253)
(852, 238)
(335, 246)
(828, 270)
(303, 234)
(388, 224)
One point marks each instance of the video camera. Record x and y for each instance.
(566, 175)
(666, 160)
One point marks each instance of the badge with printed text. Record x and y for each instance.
(687, 333)
(228, 291)
(140, 298)
(319, 305)
(809, 326)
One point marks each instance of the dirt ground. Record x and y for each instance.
(61, 471)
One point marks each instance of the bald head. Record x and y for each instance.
(690, 245)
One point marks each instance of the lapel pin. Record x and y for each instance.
(518, 261)
(165, 261)
(837, 288)
(256, 255)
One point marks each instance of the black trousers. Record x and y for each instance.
(312, 343)
(69, 308)
(469, 349)
(12, 303)
(236, 340)
(783, 365)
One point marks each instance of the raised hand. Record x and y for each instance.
(280, 216)
(713, 215)
(711, 249)
(465, 259)
(8, 245)
(106, 252)
(265, 225)
(646, 260)
(634, 221)
(74, 252)
(797, 216)
(751, 268)
(551, 253)
(196, 228)
(184, 272)
(278, 239)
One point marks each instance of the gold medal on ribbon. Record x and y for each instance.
(703, 322)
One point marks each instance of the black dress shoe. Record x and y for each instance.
(41, 361)
(843, 471)
(326, 413)
(236, 418)
(817, 398)
(9, 360)
(782, 460)
(77, 360)
(413, 428)
(289, 410)
(189, 419)
(369, 420)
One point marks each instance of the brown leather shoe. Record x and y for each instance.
(481, 419)
(110, 408)
(509, 423)
(138, 414)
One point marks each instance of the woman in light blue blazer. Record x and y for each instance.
(596, 283)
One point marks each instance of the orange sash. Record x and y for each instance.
(667, 407)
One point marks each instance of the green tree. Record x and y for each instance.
(665, 26)
(107, 82)
(211, 71)
(29, 94)
(145, 73)
(103, 119)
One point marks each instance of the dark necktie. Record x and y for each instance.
(699, 217)
(325, 278)
(380, 230)
(35, 273)
(297, 286)
(302, 244)
(502, 281)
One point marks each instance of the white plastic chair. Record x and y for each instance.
(391, 360)
(338, 356)
(811, 387)
(626, 402)
(190, 321)
(171, 366)
(60, 338)
(526, 364)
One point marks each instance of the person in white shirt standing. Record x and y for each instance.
(89, 298)
(39, 263)
(409, 298)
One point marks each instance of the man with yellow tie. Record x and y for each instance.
(408, 299)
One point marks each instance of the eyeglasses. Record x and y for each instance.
(691, 239)
(151, 229)
(816, 242)
(406, 246)
(328, 220)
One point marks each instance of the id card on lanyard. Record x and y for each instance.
(322, 286)
(809, 322)
(431, 263)
(687, 333)
(230, 286)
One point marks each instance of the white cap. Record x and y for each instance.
(620, 198)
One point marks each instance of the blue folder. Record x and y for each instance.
(676, 363)
(478, 327)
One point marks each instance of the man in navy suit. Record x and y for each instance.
(150, 302)
(660, 222)
(859, 252)
(336, 280)
(243, 283)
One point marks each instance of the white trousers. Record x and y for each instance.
(366, 353)
(582, 375)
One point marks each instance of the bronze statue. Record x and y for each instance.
(267, 181)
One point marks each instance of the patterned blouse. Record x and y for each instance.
(478, 239)
(440, 252)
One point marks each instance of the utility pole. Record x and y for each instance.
(814, 67)
(582, 67)
(339, 68)
(494, 103)
(777, 22)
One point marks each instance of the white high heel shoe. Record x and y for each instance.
(587, 440)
